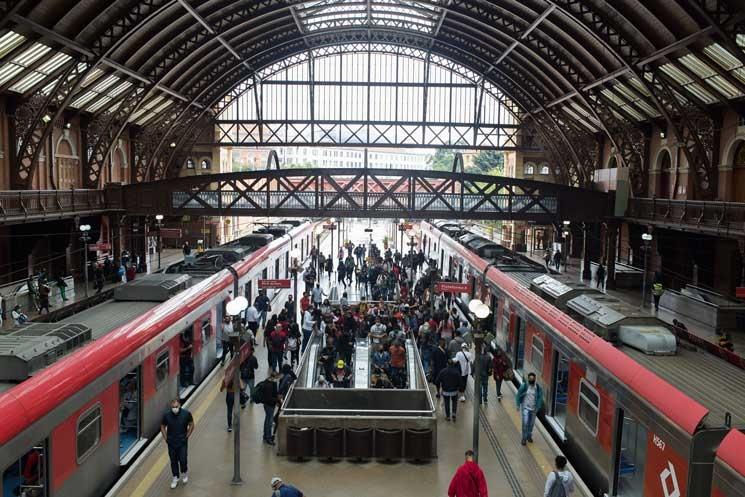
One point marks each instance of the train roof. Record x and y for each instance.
(30, 401)
(731, 451)
(714, 383)
(681, 409)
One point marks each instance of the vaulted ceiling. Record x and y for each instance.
(577, 69)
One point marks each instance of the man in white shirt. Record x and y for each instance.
(378, 331)
(317, 296)
(308, 324)
(252, 319)
(464, 361)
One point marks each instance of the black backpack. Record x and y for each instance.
(557, 489)
(257, 394)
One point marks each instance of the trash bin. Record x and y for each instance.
(359, 443)
(419, 444)
(330, 443)
(388, 444)
(299, 443)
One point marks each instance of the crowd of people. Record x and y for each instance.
(396, 303)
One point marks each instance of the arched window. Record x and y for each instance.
(666, 177)
(529, 169)
(738, 173)
(205, 164)
(612, 162)
(545, 170)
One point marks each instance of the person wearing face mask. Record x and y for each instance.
(529, 401)
(176, 427)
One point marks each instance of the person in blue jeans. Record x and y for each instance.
(262, 306)
(270, 397)
(529, 401)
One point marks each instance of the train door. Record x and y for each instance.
(631, 456)
(287, 264)
(186, 361)
(519, 353)
(559, 391)
(130, 413)
(442, 262)
(28, 475)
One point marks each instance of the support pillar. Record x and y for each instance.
(116, 240)
(741, 246)
(611, 244)
(586, 268)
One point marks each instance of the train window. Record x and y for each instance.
(89, 432)
(162, 368)
(589, 406)
(537, 354)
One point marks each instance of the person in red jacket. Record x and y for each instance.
(468, 480)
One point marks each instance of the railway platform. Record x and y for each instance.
(511, 470)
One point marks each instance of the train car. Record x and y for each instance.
(64, 427)
(729, 467)
(634, 424)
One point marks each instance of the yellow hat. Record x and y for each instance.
(339, 363)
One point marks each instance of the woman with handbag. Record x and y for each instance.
(502, 370)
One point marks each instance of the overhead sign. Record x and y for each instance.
(94, 247)
(452, 287)
(740, 292)
(405, 226)
(329, 226)
(285, 283)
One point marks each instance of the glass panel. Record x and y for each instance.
(186, 359)
(588, 406)
(162, 368)
(633, 458)
(28, 475)
(520, 346)
(561, 389)
(89, 432)
(537, 355)
(129, 410)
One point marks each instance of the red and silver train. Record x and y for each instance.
(633, 424)
(69, 429)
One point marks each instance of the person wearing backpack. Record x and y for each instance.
(560, 482)
(267, 393)
(293, 344)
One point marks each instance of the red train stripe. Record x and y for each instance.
(24, 404)
(732, 451)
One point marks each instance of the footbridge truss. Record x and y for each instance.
(374, 193)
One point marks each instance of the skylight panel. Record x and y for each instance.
(722, 56)
(9, 41)
(37, 75)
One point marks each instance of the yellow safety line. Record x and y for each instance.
(157, 468)
(535, 452)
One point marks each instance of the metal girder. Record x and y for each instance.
(33, 130)
(365, 193)
(631, 142)
(696, 135)
(331, 39)
(661, 92)
(34, 120)
(103, 133)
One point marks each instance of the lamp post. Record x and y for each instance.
(159, 224)
(295, 268)
(481, 311)
(333, 227)
(85, 238)
(565, 242)
(647, 239)
(234, 308)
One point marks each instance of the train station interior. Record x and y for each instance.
(372, 247)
